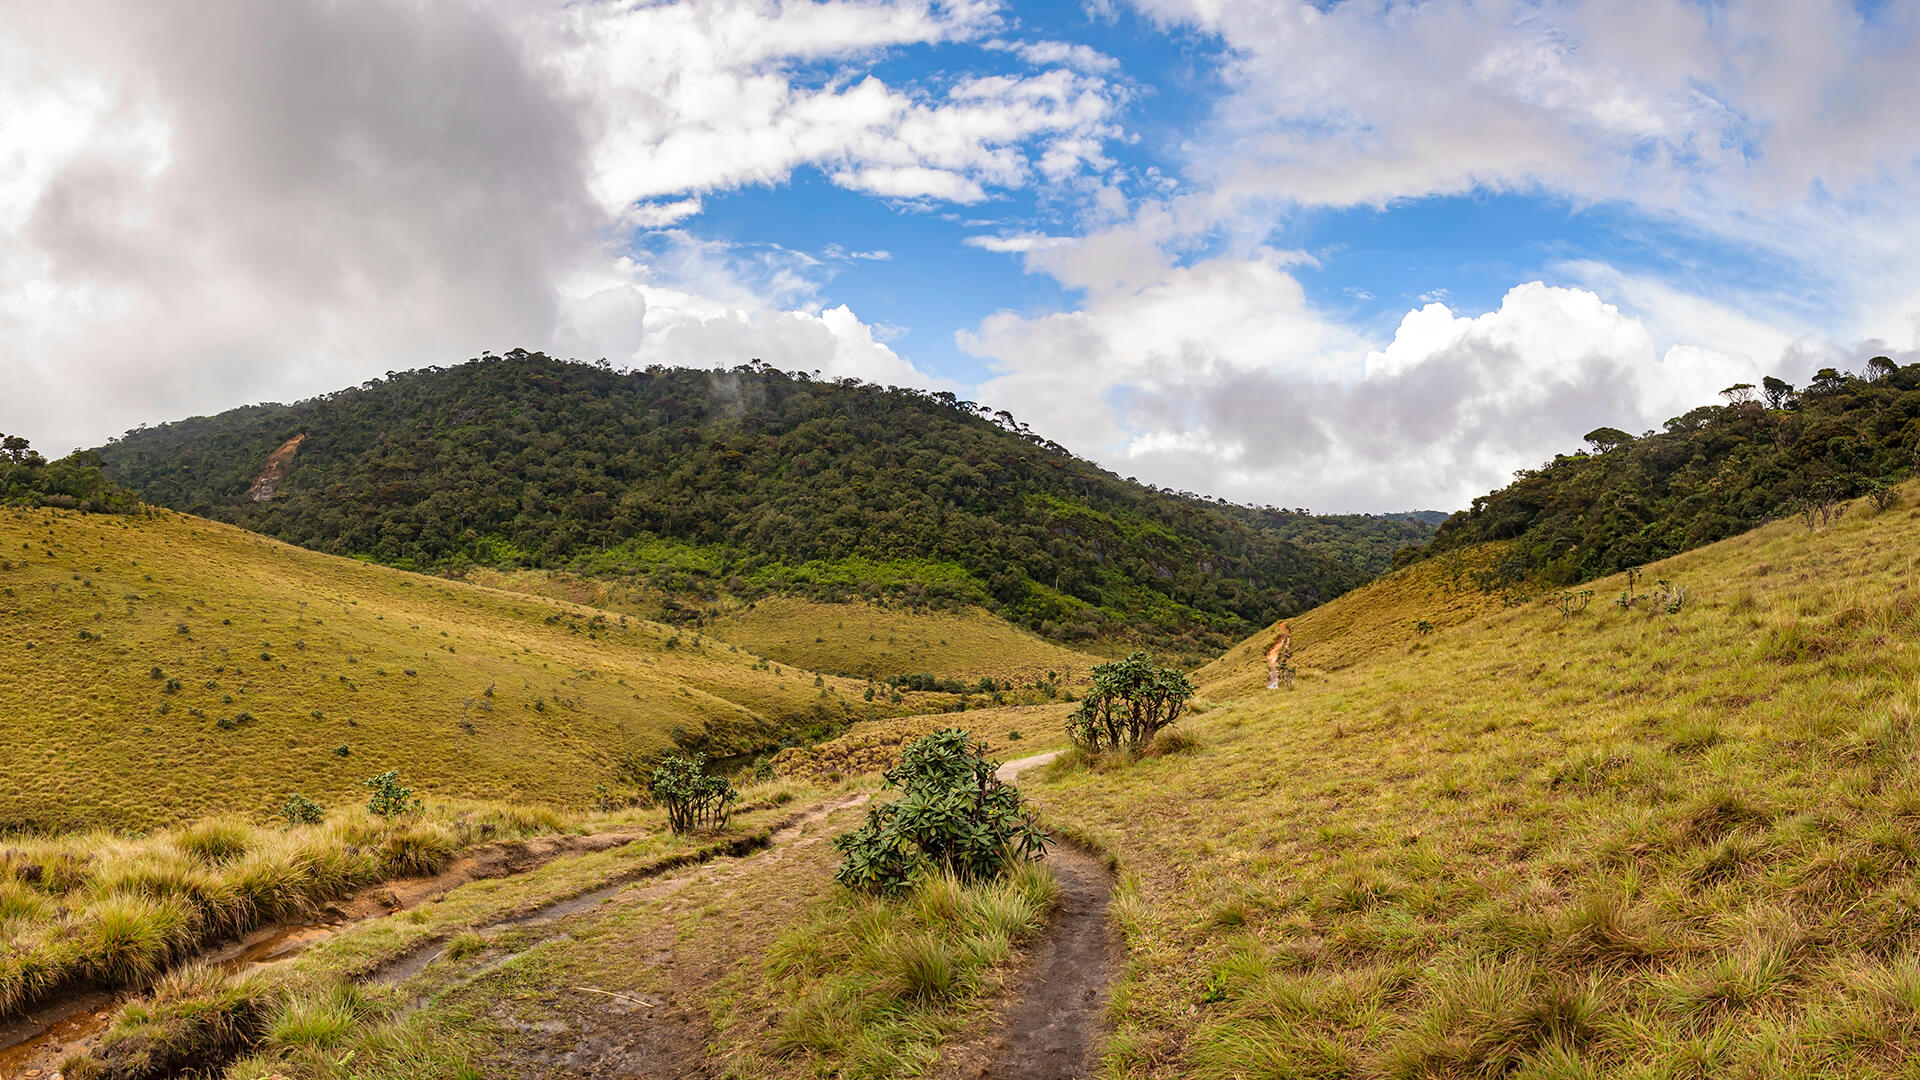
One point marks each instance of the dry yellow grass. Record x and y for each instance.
(159, 669)
(859, 638)
(1632, 842)
(869, 639)
(873, 746)
(1382, 616)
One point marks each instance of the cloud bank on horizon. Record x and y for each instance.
(1361, 255)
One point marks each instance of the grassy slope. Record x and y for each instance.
(1626, 844)
(867, 639)
(392, 663)
(859, 638)
(1377, 617)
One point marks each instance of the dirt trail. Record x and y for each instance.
(664, 1033)
(1052, 1022)
(406, 965)
(1010, 771)
(33, 1046)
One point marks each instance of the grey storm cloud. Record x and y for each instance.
(285, 197)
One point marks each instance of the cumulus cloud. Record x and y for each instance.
(226, 202)
(1224, 380)
(1772, 131)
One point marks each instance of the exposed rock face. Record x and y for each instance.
(278, 463)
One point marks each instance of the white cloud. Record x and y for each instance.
(1221, 378)
(702, 97)
(1018, 243)
(227, 202)
(1071, 54)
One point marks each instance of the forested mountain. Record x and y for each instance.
(750, 480)
(1719, 470)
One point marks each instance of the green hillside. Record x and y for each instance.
(750, 482)
(160, 668)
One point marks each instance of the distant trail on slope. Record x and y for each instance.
(1010, 772)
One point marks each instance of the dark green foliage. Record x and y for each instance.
(694, 798)
(74, 482)
(953, 813)
(755, 482)
(1130, 702)
(1714, 472)
(389, 798)
(300, 810)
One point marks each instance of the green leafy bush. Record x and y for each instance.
(694, 798)
(390, 799)
(1130, 702)
(954, 814)
(300, 810)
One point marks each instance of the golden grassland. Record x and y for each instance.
(157, 669)
(1384, 615)
(859, 638)
(873, 746)
(318, 1014)
(1630, 842)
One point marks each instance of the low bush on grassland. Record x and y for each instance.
(954, 815)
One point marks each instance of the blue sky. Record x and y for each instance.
(1354, 255)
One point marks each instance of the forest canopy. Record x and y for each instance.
(1714, 472)
(74, 482)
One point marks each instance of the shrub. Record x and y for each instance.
(954, 814)
(694, 798)
(1130, 702)
(300, 810)
(389, 798)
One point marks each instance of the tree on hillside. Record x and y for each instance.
(1606, 438)
(1778, 392)
(73, 482)
(1714, 471)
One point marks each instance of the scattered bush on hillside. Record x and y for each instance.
(1130, 702)
(954, 815)
(300, 810)
(694, 798)
(1573, 602)
(390, 799)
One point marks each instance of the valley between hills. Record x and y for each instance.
(554, 722)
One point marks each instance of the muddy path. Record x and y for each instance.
(657, 1023)
(37, 1044)
(1051, 1023)
(33, 1045)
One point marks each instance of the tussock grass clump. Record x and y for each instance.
(215, 840)
(122, 912)
(197, 1019)
(871, 984)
